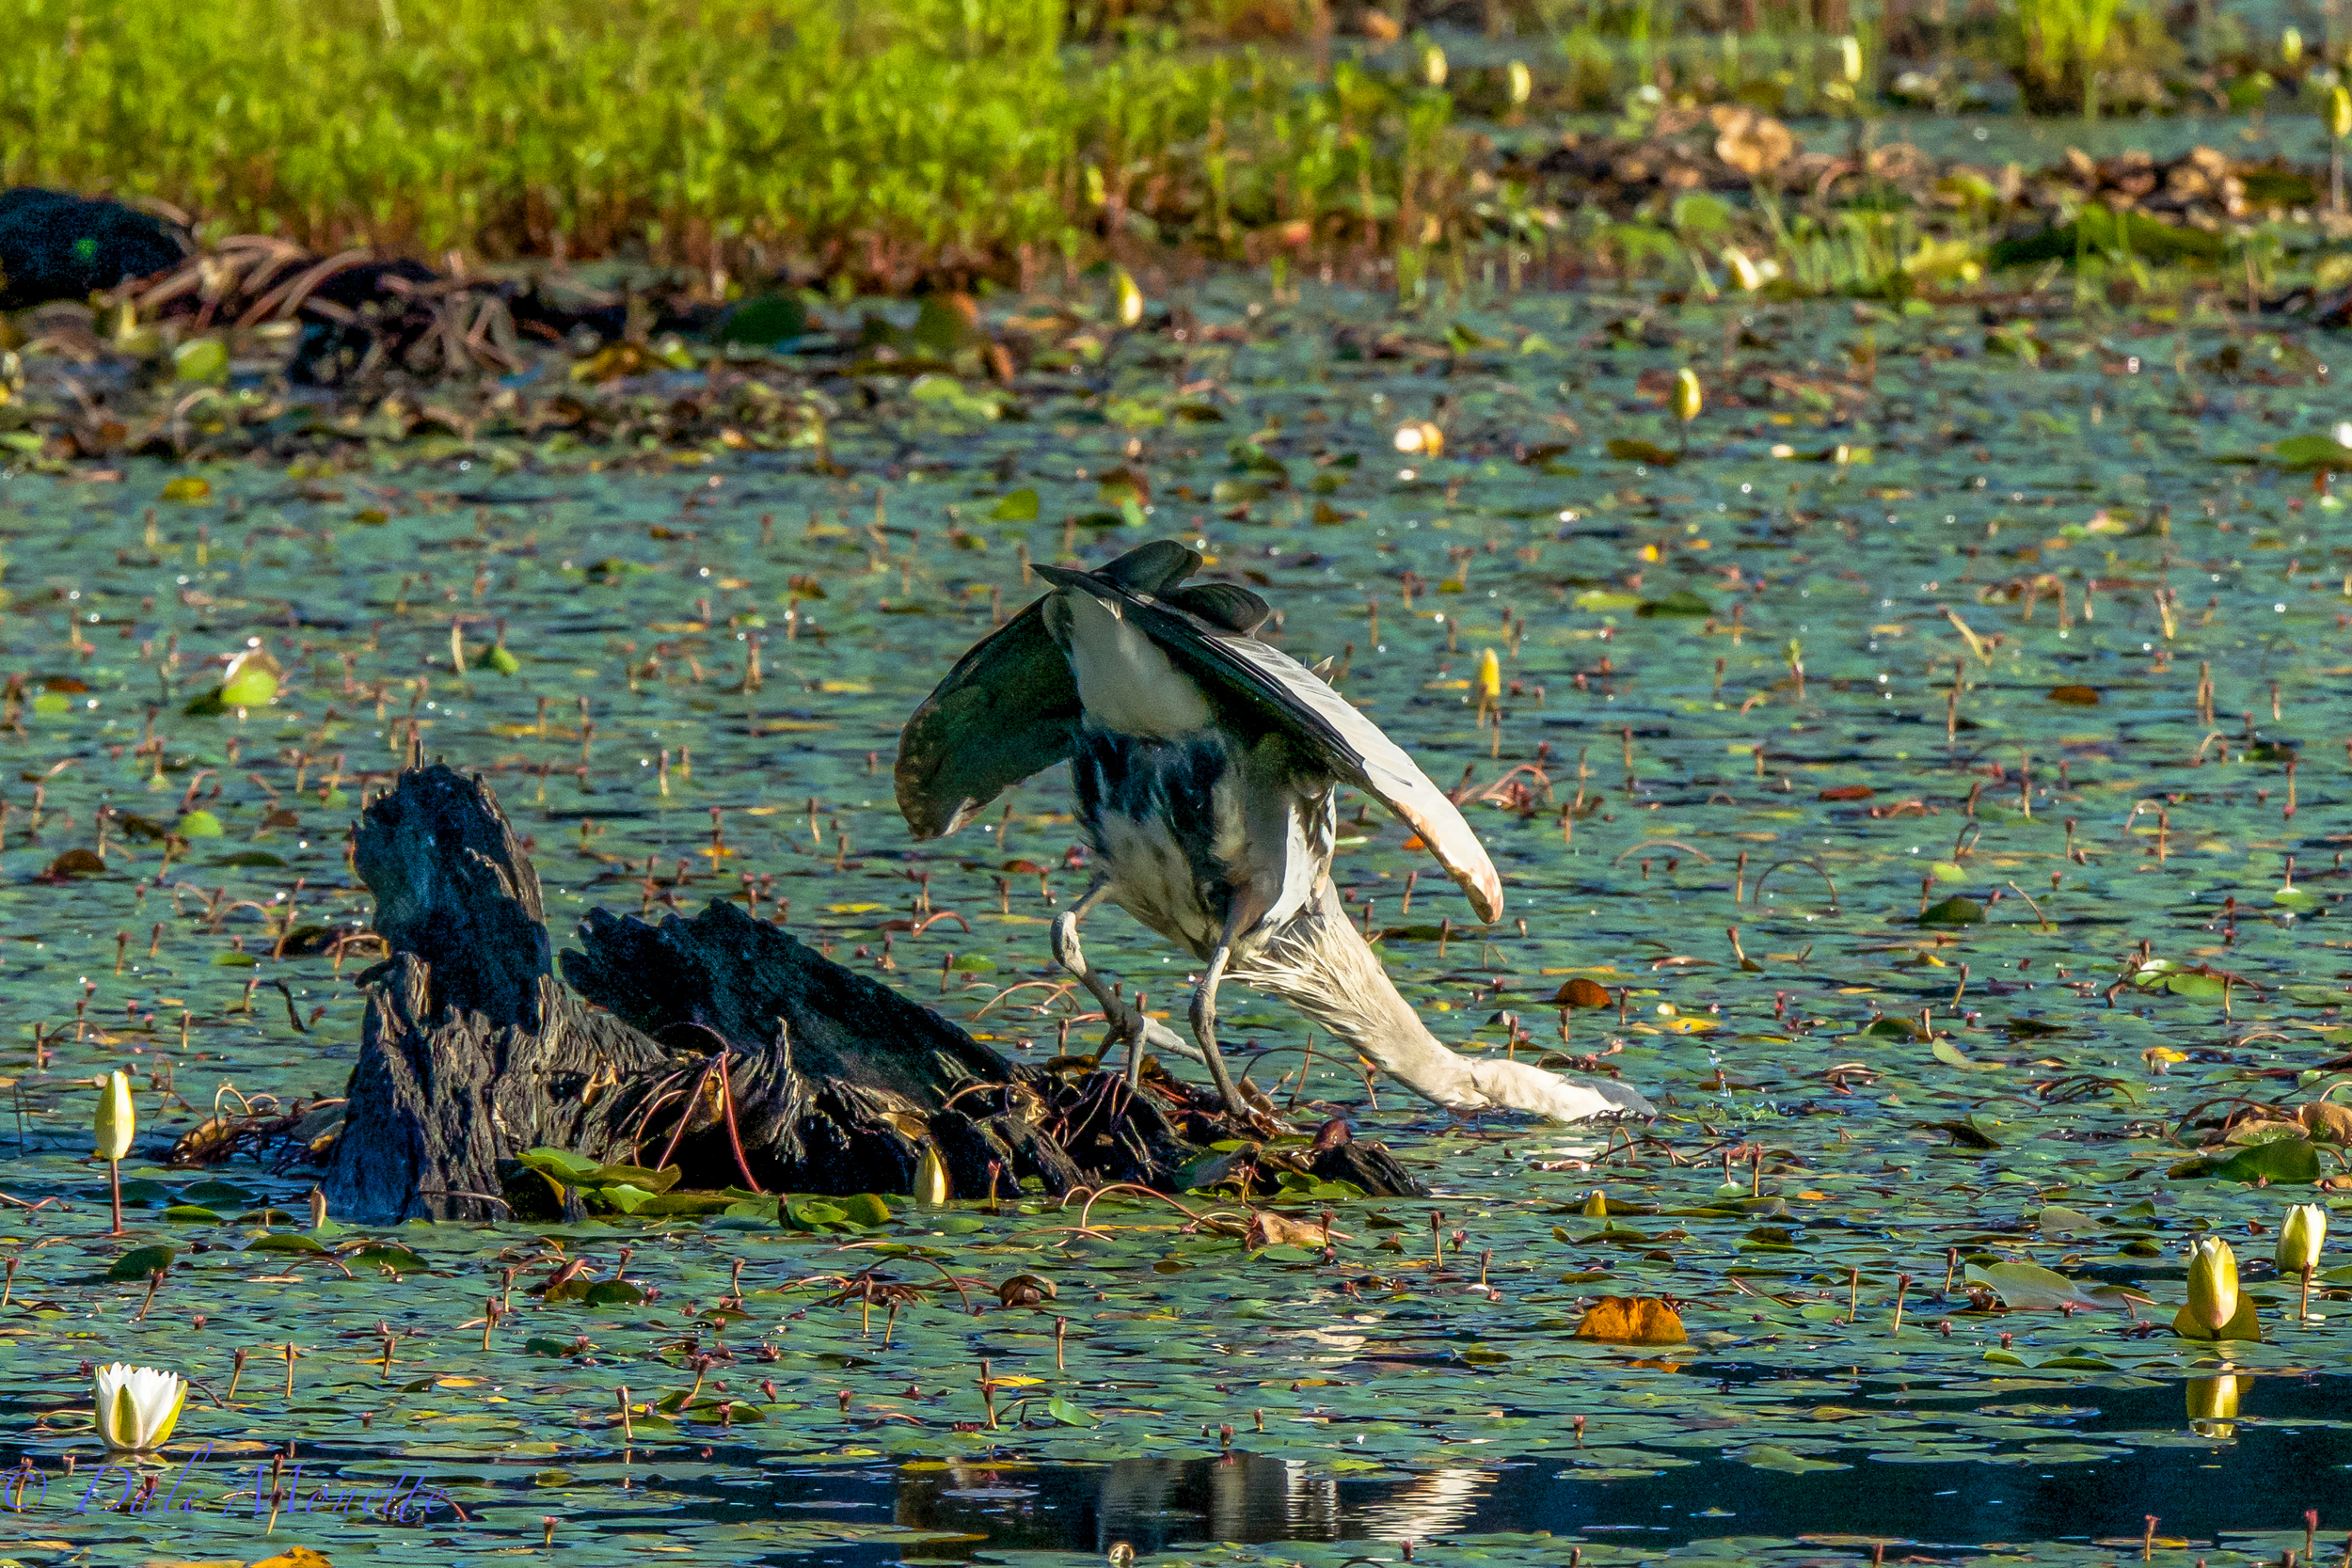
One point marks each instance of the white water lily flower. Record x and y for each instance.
(137, 1406)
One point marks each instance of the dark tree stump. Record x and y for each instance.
(842, 1079)
(472, 1052)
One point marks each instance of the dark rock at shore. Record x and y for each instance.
(58, 245)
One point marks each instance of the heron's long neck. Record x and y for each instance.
(1321, 964)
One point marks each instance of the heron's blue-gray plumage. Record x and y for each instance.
(1201, 836)
(1206, 764)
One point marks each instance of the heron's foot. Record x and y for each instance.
(1158, 1039)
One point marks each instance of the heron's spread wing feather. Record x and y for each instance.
(1155, 567)
(1007, 710)
(1285, 696)
(1222, 604)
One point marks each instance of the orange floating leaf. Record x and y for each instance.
(1631, 1321)
(1581, 993)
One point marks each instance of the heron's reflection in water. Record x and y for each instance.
(1153, 1503)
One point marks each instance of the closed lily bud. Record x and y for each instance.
(1489, 678)
(2302, 1235)
(2212, 1284)
(1126, 297)
(1849, 60)
(1743, 269)
(1522, 82)
(1596, 1203)
(1689, 396)
(116, 1120)
(931, 1189)
(2339, 112)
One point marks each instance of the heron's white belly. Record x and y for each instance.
(1155, 881)
(1247, 857)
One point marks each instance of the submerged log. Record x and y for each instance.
(717, 1043)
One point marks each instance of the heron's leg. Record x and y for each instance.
(1204, 1019)
(1124, 1021)
(1073, 958)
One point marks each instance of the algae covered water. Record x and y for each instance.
(1931, 758)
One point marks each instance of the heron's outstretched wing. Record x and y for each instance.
(1009, 707)
(1285, 696)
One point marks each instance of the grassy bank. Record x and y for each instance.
(882, 145)
(880, 139)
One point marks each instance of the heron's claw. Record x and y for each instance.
(1158, 1039)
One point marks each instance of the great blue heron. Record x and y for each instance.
(1207, 765)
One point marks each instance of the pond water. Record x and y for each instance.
(2021, 621)
(2201, 1485)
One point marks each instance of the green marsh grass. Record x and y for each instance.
(881, 147)
(883, 141)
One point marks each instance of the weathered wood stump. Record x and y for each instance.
(717, 1043)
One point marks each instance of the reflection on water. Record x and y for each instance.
(1152, 1503)
(2213, 1405)
(2202, 1455)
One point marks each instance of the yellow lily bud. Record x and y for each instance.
(1596, 1203)
(2291, 45)
(2212, 1284)
(1433, 68)
(2302, 1235)
(2339, 112)
(2213, 1405)
(1521, 81)
(1689, 397)
(1850, 58)
(1744, 271)
(1489, 678)
(931, 1190)
(1127, 298)
(116, 1120)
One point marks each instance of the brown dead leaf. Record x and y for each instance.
(1027, 1289)
(1848, 792)
(2327, 1122)
(1581, 993)
(1267, 1228)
